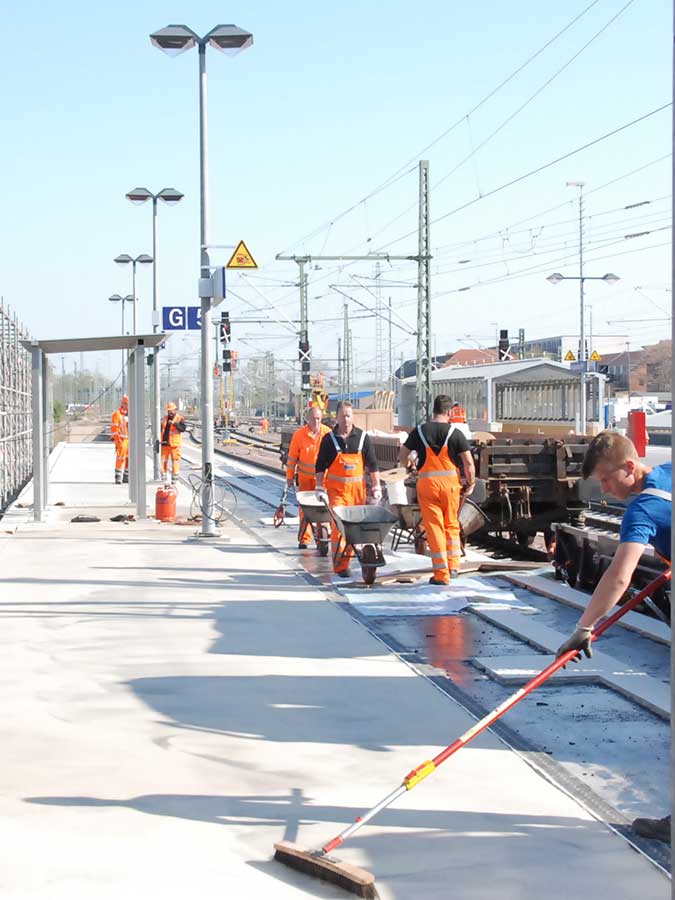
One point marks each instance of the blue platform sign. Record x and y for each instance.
(178, 318)
(194, 320)
(173, 318)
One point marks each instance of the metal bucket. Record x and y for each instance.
(397, 493)
(471, 517)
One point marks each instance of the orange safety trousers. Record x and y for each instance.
(173, 454)
(438, 492)
(302, 454)
(120, 435)
(345, 485)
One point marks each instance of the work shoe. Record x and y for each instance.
(118, 480)
(656, 829)
(344, 573)
(433, 580)
(303, 546)
(125, 478)
(454, 573)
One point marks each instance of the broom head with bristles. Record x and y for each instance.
(351, 878)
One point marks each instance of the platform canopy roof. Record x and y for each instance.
(109, 342)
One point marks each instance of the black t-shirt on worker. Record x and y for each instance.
(436, 433)
(327, 451)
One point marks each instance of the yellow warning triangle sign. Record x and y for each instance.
(241, 258)
(595, 356)
(569, 356)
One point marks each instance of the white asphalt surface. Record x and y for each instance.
(173, 706)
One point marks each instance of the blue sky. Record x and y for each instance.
(332, 100)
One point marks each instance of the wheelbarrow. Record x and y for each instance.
(363, 528)
(318, 516)
(409, 529)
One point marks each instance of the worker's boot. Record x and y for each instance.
(125, 477)
(656, 829)
(118, 478)
(174, 478)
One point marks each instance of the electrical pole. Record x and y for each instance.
(379, 331)
(423, 259)
(339, 369)
(346, 368)
(423, 382)
(582, 315)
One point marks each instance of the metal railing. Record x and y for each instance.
(16, 439)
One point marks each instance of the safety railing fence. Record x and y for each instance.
(16, 443)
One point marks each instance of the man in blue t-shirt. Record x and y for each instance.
(613, 460)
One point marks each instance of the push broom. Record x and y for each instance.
(320, 864)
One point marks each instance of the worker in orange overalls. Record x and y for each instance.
(441, 448)
(345, 456)
(264, 425)
(173, 426)
(457, 414)
(119, 433)
(302, 455)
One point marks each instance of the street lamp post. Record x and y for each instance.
(170, 196)
(175, 39)
(123, 260)
(116, 298)
(556, 278)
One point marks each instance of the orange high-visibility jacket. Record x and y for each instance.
(173, 437)
(303, 452)
(457, 414)
(119, 425)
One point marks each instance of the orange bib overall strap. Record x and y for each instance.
(438, 492)
(345, 485)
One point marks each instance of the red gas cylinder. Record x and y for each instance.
(165, 503)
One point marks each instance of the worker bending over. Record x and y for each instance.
(119, 433)
(173, 426)
(613, 460)
(441, 448)
(302, 455)
(345, 456)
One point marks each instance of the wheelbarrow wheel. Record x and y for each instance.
(368, 569)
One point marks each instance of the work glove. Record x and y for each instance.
(579, 640)
(377, 494)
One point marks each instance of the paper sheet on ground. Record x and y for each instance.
(432, 600)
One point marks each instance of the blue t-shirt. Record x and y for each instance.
(647, 518)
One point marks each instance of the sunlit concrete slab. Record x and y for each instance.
(547, 586)
(173, 706)
(649, 692)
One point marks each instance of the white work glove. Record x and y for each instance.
(579, 640)
(377, 494)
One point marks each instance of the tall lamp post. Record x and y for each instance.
(171, 197)
(556, 278)
(175, 39)
(116, 298)
(123, 260)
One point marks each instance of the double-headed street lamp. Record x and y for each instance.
(556, 278)
(171, 197)
(123, 260)
(175, 39)
(117, 298)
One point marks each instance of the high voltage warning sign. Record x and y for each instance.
(569, 356)
(595, 356)
(241, 258)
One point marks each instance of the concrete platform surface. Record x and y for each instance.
(174, 705)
